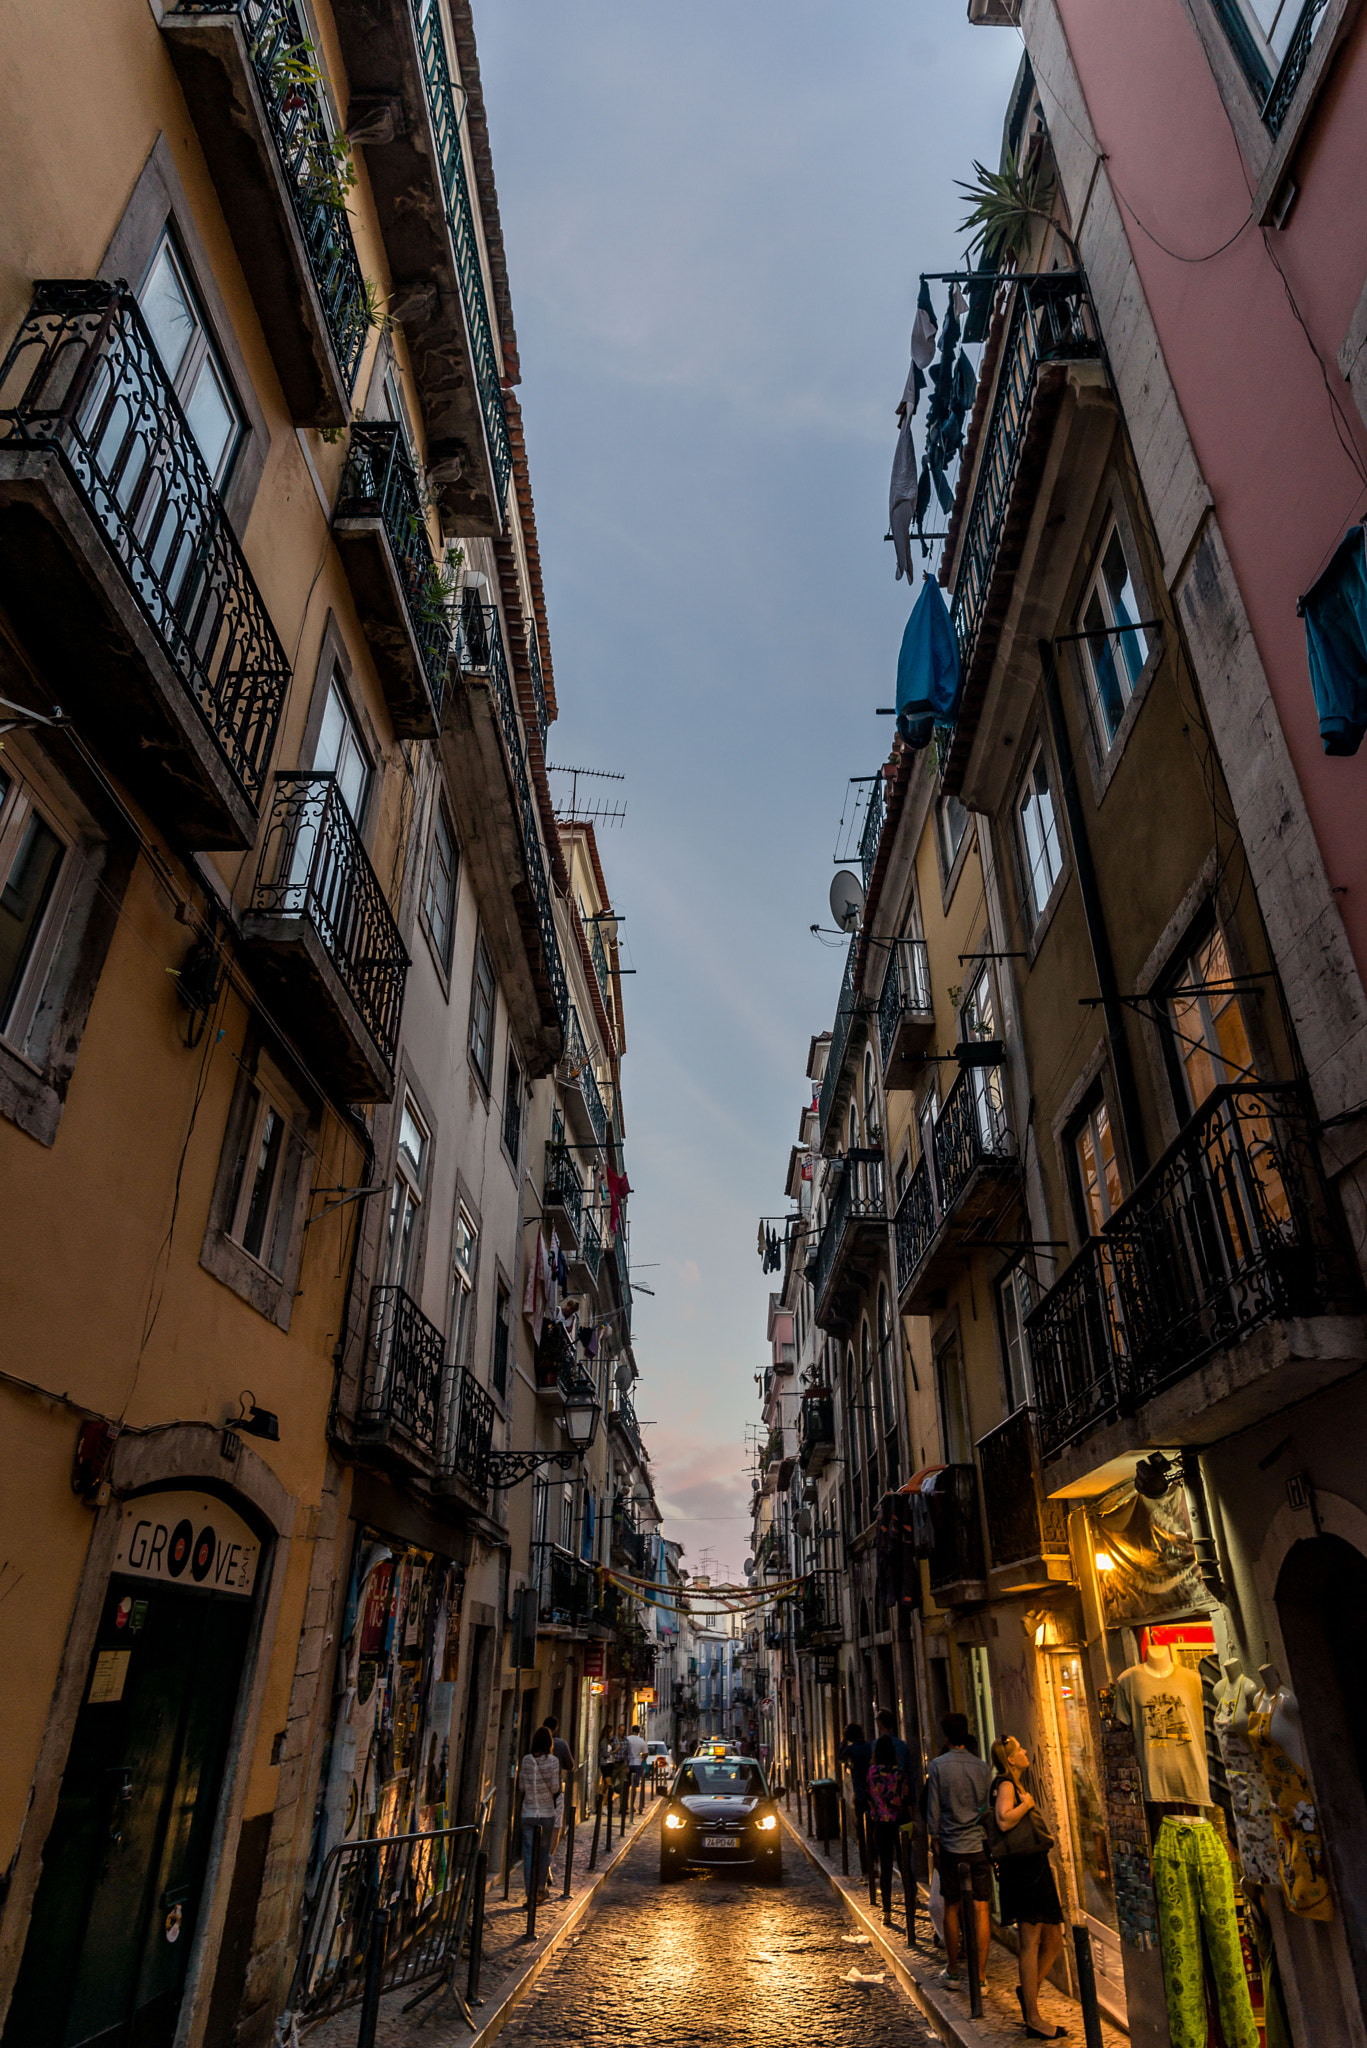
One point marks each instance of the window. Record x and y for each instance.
(405, 1201)
(887, 1371)
(903, 1174)
(463, 1286)
(512, 1105)
(502, 1331)
(1261, 32)
(870, 1098)
(32, 854)
(955, 1434)
(340, 752)
(259, 1213)
(439, 888)
(1039, 837)
(1209, 1033)
(1015, 1300)
(190, 360)
(953, 825)
(1114, 657)
(870, 1419)
(482, 1013)
(1098, 1175)
(978, 1022)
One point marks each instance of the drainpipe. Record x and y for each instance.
(1202, 1534)
(1111, 1010)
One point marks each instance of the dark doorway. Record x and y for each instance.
(475, 1725)
(1322, 1607)
(116, 1909)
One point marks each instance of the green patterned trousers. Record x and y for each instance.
(1195, 1886)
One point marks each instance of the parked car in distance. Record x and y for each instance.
(658, 1753)
(721, 1816)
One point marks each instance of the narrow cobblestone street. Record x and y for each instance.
(715, 1959)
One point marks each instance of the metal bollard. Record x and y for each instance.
(844, 1839)
(472, 1997)
(1086, 1984)
(623, 1797)
(374, 1977)
(871, 1860)
(569, 1849)
(968, 1922)
(907, 1865)
(597, 1824)
(536, 1880)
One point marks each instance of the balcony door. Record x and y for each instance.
(319, 857)
(977, 1023)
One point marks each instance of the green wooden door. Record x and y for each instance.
(116, 1908)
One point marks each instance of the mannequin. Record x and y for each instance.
(1274, 1735)
(1234, 1698)
(1160, 1700)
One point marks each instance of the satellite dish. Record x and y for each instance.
(749, 1567)
(847, 900)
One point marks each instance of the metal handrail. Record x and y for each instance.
(906, 987)
(83, 377)
(378, 482)
(284, 62)
(315, 866)
(446, 121)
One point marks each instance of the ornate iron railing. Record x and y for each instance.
(1021, 1522)
(971, 1131)
(622, 1412)
(818, 1615)
(857, 1198)
(563, 1187)
(591, 1243)
(1230, 1230)
(285, 63)
(83, 377)
(565, 1587)
(314, 866)
(446, 119)
(469, 1432)
(1050, 319)
(405, 1383)
(906, 986)
(630, 1539)
(543, 716)
(915, 1224)
(577, 1053)
(479, 643)
(600, 961)
(378, 483)
(840, 1032)
(1292, 69)
(873, 827)
(958, 1552)
(817, 1430)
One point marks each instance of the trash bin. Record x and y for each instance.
(825, 1809)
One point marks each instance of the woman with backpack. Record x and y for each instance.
(1019, 1843)
(889, 1806)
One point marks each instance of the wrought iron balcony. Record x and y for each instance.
(1049, 325)
(251, 81)
(819, 1619)
(562, 1193)
(957, 1568)
(581, 1070)
(873, 830)
(324, 939)
(591, 1244)
(1229, 1231)
(833, 1078)
(543, 716)
(565, 1587)
(973, 1149)
(629, 1540)
(622, 1417)
(855, 1234)
(412, 1397)
(1292, 68)
(483, 661)
(600, 962)
(906, 1013)
(816, 1438)
(1024, 1526)
(121, 573)
(382, 538)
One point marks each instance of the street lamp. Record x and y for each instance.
(582, 1409)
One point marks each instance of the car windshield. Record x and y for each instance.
(731, 1777)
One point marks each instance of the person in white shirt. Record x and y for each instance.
(539, 1783)
(636, 1763)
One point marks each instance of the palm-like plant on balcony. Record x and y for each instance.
(1004, 208)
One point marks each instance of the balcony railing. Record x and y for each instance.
(469, 1431)
(873, 827)
(816, 1439)
(629, 1538)
(622, 1415)
(447, 115)
(563, 1188)
(591, 1243)
(565, 1587)
(856, 1199)
(83, 378)
(409, 1387)
(480, 648)
(906, 989)
(840, 1032)
(971, 1133)
(818, 1610)
(284, 63)
(1021, 1522)
(957, 1557)
(543, 716)
(1230, 1230)
(1292, 69)
(378, 483)
(1050, 319)
(577, 1052)
(315, 868)
(600, 961)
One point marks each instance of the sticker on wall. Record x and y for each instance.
(108, 1678)
(188, 1539)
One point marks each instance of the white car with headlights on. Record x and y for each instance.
(720, 1816)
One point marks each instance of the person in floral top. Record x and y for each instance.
(889, 1806)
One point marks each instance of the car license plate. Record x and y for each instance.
(720, 1842)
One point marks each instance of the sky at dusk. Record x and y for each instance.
(714, 220)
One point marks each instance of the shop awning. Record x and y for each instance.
(1335, 614)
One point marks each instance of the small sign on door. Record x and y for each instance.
(108, 1678)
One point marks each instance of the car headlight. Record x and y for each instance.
(674, 1820)
(769, 1823)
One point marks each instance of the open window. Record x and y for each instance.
(1116, 650)
(1208, 1033)
(255, 1235)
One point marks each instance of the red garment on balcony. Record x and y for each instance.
(619, 1187)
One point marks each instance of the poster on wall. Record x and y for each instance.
(388, 1767)
(1145, 1557)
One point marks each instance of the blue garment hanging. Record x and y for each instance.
(929, 680)
(1335, 614)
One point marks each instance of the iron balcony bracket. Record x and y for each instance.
(510, 1468)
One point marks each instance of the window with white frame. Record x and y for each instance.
(953, 820)
(190, 360)
(405, 1199)
(512, 1105)
(482, 1013)
(462, 1285)
(1037, 824)
(259, 1203)
(33, 863)
(342, 752)
(1117, 646)
(1015, 1301)
(1261, 33)
(439, 887)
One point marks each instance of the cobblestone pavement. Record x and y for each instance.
(714, 1960)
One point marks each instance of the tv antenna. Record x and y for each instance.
(600, 814)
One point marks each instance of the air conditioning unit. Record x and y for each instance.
(995, 13)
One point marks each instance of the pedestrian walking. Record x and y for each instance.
(1020, 1844)
(889, 1806)
(887, 1725)
(958, 1785)
(636, 1770)
(564, 1756)
(856, 1754)
(538, 1781)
